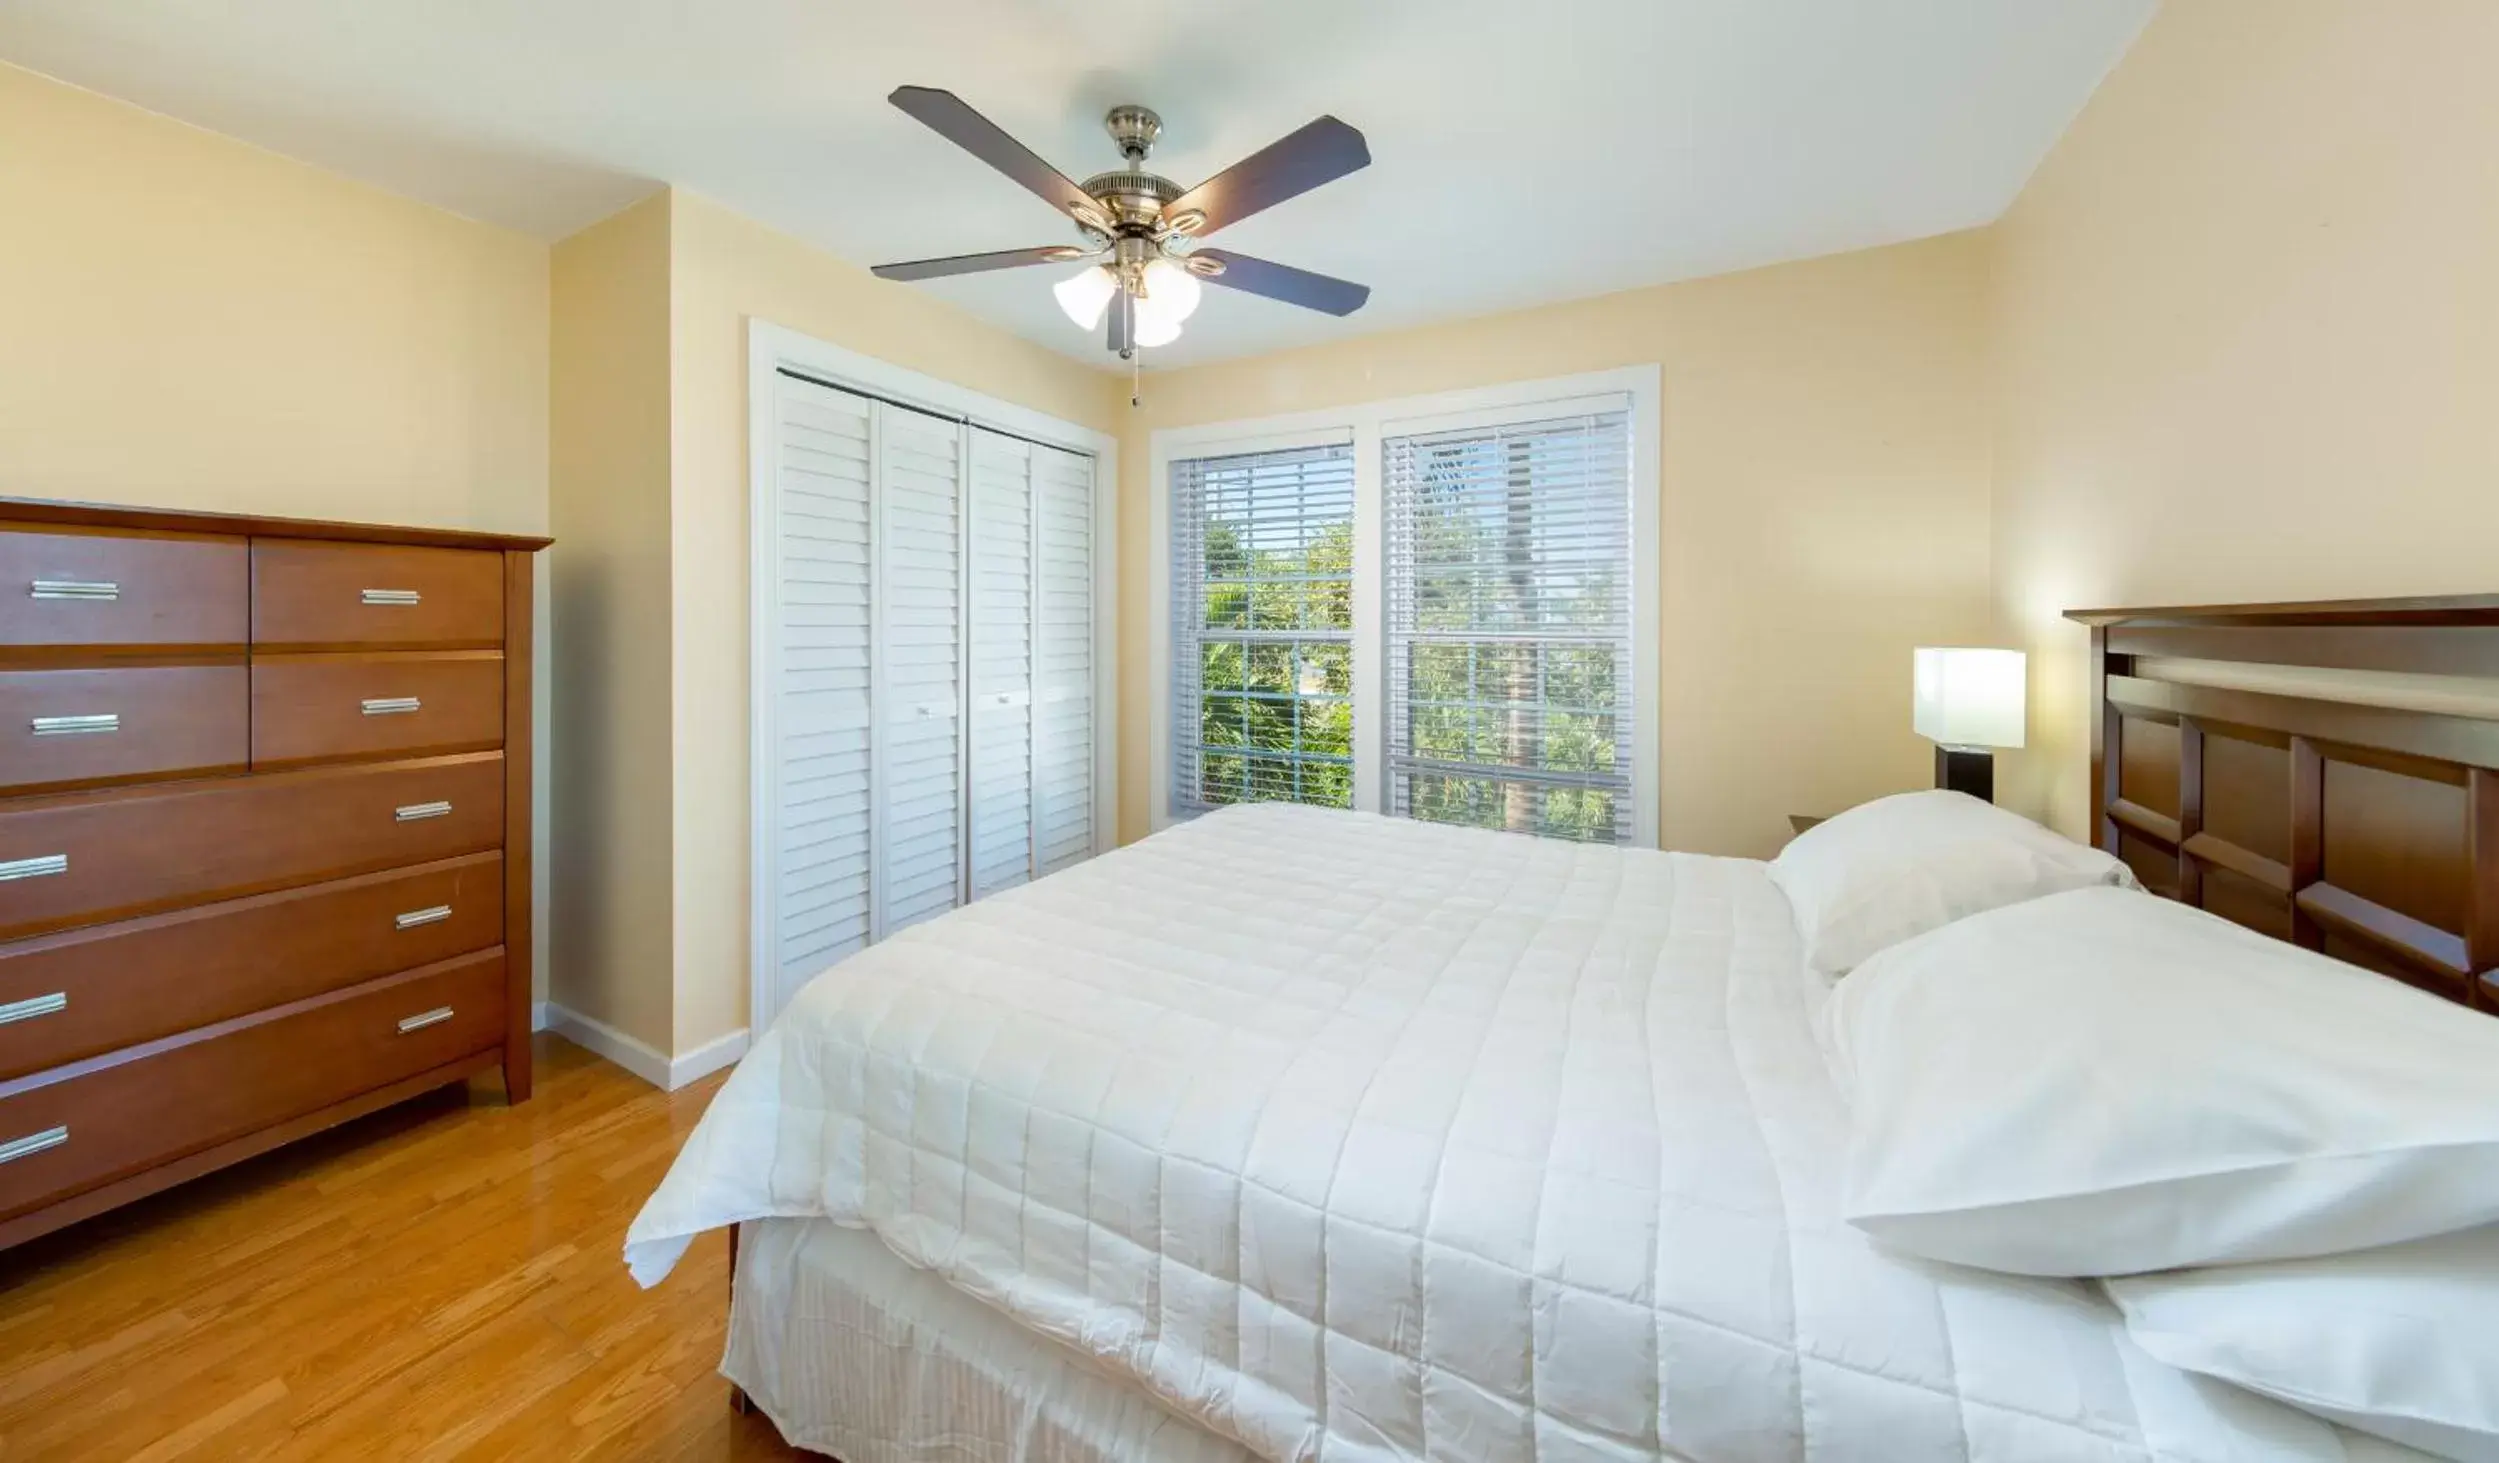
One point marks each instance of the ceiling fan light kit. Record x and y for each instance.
(1140, 231)
(1086, 295)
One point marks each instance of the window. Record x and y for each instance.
(1509, 626)
(1262, 581)
(1438, 607)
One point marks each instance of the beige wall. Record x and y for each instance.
(1824, 466)
(2244, 331)
(727, 269)
(190, 322)
(612, 580)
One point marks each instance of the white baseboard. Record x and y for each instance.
(638, 1057)
(710, 1057)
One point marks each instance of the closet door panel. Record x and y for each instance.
(1063, 716)
(823, 680)
(928, 695)
(1001, 659)
(920, 572)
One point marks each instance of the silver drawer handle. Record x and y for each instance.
(73, 589)
(34, 868)
(33, 1143)
(29, 1009)
(391, 597)
(76, 726)
(413, 811)
(415, 917)
(423, 1019)
(390, 705)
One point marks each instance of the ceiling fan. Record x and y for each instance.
(1141, 231)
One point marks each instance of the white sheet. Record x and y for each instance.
(851, 1352)
(1355, 1138)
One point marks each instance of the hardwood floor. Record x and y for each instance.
(439, 1280)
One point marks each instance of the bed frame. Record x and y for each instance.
(2327, 773)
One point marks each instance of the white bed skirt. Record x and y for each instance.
(854, 1353)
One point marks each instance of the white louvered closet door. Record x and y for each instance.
(920, 664)
(1063, 717)
(928, 692)
(819, 760)
(1002, 660)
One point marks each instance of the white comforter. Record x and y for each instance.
(1356, 1138)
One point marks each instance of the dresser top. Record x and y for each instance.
(175, 520)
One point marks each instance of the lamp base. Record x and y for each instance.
(1966, 769)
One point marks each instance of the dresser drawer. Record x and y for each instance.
(96, 589)
(83, 727)
(83, 859)
(74, 1128)
(308, 594)
(83, 992)
(308, 708)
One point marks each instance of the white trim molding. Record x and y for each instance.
(769, 348)
(1366, 425)
(638, 1057)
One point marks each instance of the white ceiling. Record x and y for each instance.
(1523, 150)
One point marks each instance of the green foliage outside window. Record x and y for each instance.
(1275, 672)
(1514, 623)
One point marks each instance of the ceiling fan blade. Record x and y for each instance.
(950, 118)
(1321, 292)
(1123, 326)
(978, 263)
(1322, 152)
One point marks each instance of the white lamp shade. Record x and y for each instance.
(1086, 294)
(1155, 328)
(1969, 698)
(1171, 293)
(1170, 289)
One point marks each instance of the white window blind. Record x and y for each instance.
(1262, 628)
(1509, 626)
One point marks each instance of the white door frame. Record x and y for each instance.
(770, 347)
(1366, 424)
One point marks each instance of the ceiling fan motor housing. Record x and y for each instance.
(1134, 200)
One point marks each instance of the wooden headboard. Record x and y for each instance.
(2327, 773)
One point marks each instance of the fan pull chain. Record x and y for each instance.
(1136, 383)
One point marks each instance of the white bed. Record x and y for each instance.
(1349, 1138)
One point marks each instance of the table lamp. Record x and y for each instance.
(1967, 702)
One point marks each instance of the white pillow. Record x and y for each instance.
(2402, 1342)
(1899, 866)
(2105, 1082)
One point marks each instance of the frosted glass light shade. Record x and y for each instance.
(1969, 698)
(1172, 289)
(1171, 294)
(1086, 294)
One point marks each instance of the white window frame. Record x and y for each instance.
(769, 348)
(1368, 425)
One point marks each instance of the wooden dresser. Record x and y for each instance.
(264, 837)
